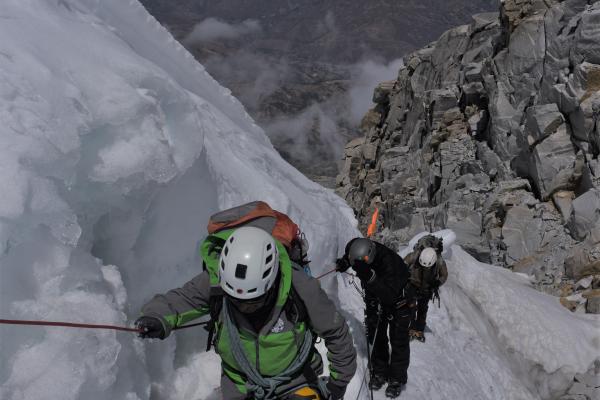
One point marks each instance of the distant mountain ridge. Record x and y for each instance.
(294, 72)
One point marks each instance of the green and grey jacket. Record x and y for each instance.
(275, 347)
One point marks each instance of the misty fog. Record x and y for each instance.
(308, 110)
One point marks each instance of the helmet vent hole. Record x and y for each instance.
(226, 250)
(252, 290)
(231, 239)
(240, 271)
(223, 265)
(269, 258)
(229, 286)
(269, 247)
(267, 272)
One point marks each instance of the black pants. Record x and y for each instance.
(391, 363)
(420, 316)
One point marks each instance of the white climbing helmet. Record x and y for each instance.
(428, 257)
(248, 264)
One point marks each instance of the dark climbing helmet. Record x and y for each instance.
(362, 250)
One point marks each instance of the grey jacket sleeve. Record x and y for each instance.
(328, 323)
(178, 306)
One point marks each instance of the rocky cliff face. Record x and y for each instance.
(493, 131)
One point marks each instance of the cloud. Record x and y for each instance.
(213, 29)
(312, 137)
(252, 76)
(365, 76)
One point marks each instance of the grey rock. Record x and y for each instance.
(585, 214)
(396, 151)
(473, 94)
(563, 201)
(554, 164)
(574, 397)
(590, 378)
(583, 119)
(352, 148)
(584, 259)
(584, 283)
(522, 232)
(588, 36)
(527, 48)
(452, 115)
(381, 94)
(369, 151)
(473, 72)
(485, 21)
(591, 175)
(511, 186)
(579, 388)
(542, 121)
(443, 101)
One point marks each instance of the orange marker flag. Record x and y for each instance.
(373, 226)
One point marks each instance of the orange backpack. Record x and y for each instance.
(258, 214)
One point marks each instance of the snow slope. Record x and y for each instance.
(494, 337)
(115, 147)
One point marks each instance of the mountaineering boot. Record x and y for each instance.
(394, 389)
(376, 382)
(418, 335)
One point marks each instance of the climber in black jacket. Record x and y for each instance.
(388, 298)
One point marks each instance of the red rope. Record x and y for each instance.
(68, 325)
(87, 326)
(326, 273)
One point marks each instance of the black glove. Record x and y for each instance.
(342, 264)
(151, 327)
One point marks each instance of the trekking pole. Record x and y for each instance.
(84, 326)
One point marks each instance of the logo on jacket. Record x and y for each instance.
(278, 326)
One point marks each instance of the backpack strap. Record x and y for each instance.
(215, 244)
(294, 308)
(215, 305)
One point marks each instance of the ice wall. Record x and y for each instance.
(115, 146)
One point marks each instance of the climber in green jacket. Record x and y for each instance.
(268, 313)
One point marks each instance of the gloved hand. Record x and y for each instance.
(363, 271)
(151, 327)
(410, 293)
(331, 389)
(342, 264)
